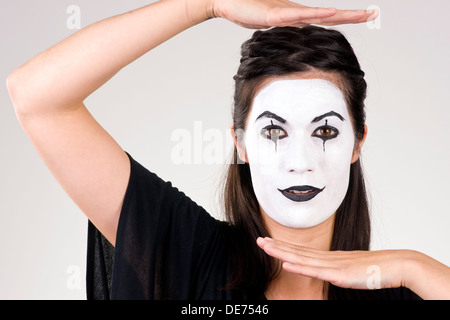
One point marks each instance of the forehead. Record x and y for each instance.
(302, 98)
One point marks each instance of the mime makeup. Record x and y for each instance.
(299, 142)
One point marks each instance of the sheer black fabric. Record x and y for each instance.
(167, 247)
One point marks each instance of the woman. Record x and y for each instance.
(168, 247)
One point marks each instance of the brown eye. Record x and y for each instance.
(326, 132)
(273, 133)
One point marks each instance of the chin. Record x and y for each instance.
(304, 223)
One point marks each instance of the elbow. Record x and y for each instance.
(32, 93)
(15, 90)
(23, 93)
(11, 85)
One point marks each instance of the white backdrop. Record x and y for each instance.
(186, 84)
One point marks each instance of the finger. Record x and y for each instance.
(275, 251)
(348, 16)
(285, 256)
(317, 252)
(343, 17)
(317, 16)
(293, 247)
(293, 256)
(282, 17)
(292, 14)
(329, 256)
(327, 274)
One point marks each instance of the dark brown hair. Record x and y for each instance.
(277, 52)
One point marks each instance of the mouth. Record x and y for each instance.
(301, 193)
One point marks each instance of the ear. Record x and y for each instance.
(358, 147)
(238, 138)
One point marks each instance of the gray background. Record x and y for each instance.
(188, 79)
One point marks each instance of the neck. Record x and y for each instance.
(317, 237)
(293, 286)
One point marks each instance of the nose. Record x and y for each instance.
(299, 157)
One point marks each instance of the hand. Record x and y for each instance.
(260, 14)
(346, 269)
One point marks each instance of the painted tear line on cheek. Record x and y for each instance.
(274, 140)
(326, 124)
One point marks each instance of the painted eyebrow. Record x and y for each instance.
(328, 114)
(268, 114)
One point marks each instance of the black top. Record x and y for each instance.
(167, 247)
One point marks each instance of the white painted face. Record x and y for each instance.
(299, 142)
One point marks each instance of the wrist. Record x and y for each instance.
(426, 277)
(411, 266)
(198, 11)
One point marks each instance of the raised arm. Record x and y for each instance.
(80, 64)
(48, 91)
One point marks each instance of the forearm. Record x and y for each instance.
(61, 77)
(427, 277)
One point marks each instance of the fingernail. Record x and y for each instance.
(268, 239)
(373, 13)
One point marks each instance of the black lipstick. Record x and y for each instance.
(301, 193)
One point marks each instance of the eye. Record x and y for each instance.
(273, 132)
(326, 132)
